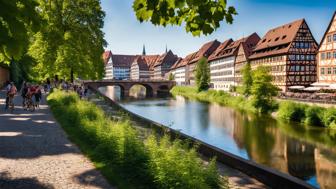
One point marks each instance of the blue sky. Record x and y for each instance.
(125, 35)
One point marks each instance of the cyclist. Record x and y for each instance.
(8, 86)
(24, 93)
(38, 96)
(11, 94)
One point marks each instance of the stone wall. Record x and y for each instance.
(4, 76)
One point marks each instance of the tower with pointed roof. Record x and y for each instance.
(143, 50)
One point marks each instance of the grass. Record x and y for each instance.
(125, 159)
(219, 97)
(286, 110)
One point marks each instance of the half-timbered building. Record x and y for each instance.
(327, 55)
(289, 51)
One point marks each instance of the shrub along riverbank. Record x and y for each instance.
(126, 160)
(285, 110)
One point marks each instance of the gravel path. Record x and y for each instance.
(36, 154)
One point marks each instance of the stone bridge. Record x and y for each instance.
(153, 87)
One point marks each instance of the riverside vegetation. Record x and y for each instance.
(123, 157)
(285, 110)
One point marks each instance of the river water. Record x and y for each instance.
(308, 153)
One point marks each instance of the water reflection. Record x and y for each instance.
(306, 153)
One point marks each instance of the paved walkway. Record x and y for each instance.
(36, 154)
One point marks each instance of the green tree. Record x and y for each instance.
(247, 80)
(72, 42)
(202, 74)
(171, 77)
(17, 18)
(199, 17)
(263, 90)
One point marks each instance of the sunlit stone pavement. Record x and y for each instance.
(36, 154)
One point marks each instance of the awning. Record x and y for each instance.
(317, 84)
(296, 87)
(312, 89)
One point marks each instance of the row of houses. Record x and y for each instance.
(291, 53)
(135, 67)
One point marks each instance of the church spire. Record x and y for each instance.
(144, 50)
(166, 48)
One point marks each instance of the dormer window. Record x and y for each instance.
(283, 37)
(276, 39)
(289, 26)
(263, 41)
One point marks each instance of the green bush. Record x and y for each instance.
(175, 166)
(116, 146)
(313, 116)
(329, 118)
(292, 111)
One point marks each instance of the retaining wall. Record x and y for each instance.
(266, 175)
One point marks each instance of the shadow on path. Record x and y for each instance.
(26, 134)
(21, 183)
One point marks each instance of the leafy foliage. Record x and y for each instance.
(247, 80)
(202, 75)
(71, 42)
(17, 19)
(171, 77)
(116, 145)
(263, 90)
(199, 16)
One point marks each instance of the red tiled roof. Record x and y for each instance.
(177, 63)
(220, 48)
(277, 40)
(168, 57)
(205, 51)
(150, 60)
(122, 60)
(141, 63)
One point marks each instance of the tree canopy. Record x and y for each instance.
(198, 16)
(247, 80)
(17, 18)
(263, 90)
(71, 42)
(202, 74)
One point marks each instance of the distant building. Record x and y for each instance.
(289, 51)
(327, 55)
(117, 66)
(140, 69)
(229, 57)
(205, 51)
(163, 64)
(143, 66)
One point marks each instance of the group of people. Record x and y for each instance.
(30, 93)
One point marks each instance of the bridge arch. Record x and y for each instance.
(149, 89)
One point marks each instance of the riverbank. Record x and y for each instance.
(126, 157)
(310, 115)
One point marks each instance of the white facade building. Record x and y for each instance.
(222, 73)
(180, 75)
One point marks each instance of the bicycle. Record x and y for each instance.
(29, 104)
(11, 103)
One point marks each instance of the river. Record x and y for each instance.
(308, 153)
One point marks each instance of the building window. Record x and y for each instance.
(334, 70)
(334, 54)
(334, 37)
(328, 55)
(329, 71)
(322, 71)
(323, 56)
(329, 38)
